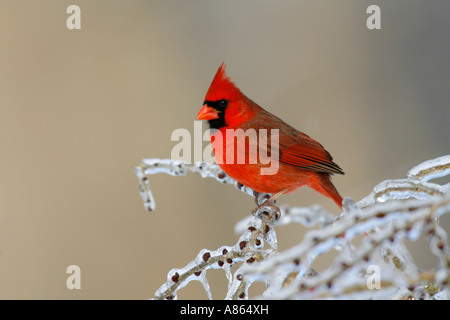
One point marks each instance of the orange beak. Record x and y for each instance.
(207, 113)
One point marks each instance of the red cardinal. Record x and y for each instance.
(302, 161)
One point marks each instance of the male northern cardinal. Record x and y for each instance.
(302, 161)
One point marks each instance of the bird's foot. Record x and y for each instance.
(267, 207)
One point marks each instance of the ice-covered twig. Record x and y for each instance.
(179, 168)
(369, 238)
(248, 249)
(431, 169)
(389, 224)
(415, 186)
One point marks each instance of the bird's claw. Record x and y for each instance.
(267, 207)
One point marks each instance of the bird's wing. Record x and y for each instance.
(304, 152)
(294, 147)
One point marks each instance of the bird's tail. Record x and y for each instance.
(321, 182)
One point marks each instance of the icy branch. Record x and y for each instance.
(369, 236)
(178, 168)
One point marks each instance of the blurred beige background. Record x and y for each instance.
(80, 109)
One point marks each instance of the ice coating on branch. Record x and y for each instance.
(366, 242)
(179, 168)
(402, 189)
(248, 249)
(415, 185)
(431, 169)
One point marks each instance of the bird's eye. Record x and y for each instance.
(223, 103)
